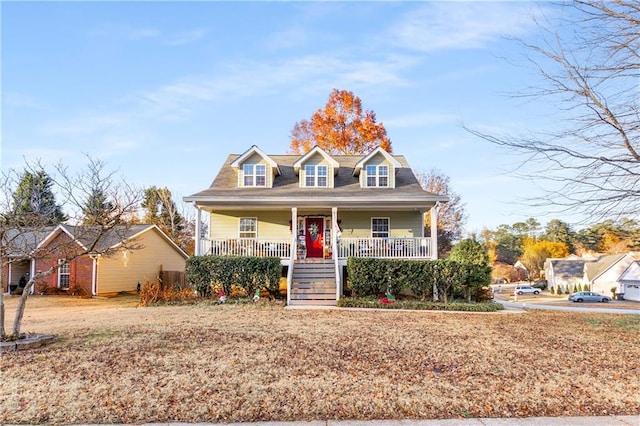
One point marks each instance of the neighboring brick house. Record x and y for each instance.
(136, 254)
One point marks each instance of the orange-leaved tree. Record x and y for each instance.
(341, 127)
(536, 252)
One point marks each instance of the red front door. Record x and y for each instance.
(314, 227)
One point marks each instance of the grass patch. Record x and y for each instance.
(625, 322)
(370, 302)
(261, 363)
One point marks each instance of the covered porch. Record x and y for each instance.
(303, 233)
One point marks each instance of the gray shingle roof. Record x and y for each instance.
(346, 190)
(594, 269)
(22, 242)
(568, 267)
(88, 235)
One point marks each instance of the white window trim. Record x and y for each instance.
(316, 175)
(62, 264)
(254, 175)
(377, 176)
(388, 226)
(240, 230)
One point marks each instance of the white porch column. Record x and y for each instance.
(334, 249)
(198, 229)
(32, 272)
(294, 247)
(94, 275)
(434, 231)
(9, 274)
(294, 223)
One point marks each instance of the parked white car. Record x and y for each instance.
(526, 289)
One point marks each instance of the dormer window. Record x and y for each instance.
(377, 175)
(315, 175)
(254, 174)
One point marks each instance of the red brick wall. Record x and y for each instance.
(5, 278)
(80, 268)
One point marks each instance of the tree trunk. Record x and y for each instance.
(21, 305)
(2, 333)
(435, 293)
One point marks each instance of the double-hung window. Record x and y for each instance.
(380, 227)
(248, 227)
(315, 175)
(377, 175)
(254, 174)
(64, 274)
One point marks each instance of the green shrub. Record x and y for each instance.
(372, 277)
(247, 272)
(552, 291)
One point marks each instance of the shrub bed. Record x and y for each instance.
(231, 272)
(370, 302)
(373, 277)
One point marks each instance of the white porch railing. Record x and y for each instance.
(394, 248)
(246, 247)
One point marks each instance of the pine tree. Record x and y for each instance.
(34, 202)
(97, 210)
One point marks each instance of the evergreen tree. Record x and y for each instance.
(97, 210)
(34, 202)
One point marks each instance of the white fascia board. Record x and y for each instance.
(360, 164)
(255, 150)
(316, 150)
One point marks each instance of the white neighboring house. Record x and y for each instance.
(605, 273)
(565, 272)
(630, 282)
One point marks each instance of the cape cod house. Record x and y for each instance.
(314, 212)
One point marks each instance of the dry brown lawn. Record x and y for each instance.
(116, 362)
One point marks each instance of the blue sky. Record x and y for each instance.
(164, 91)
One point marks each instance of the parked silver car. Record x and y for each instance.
(588, 296)
(526, 289)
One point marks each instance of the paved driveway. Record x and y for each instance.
(562, 304)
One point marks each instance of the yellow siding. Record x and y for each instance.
(271, 224)
(402, 224)
(275, 224)
(125, 269)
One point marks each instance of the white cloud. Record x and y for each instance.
(186, 37)
(424, 119)
(463, 25)
(21, 100)
(250, 79)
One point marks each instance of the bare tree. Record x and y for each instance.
(589, 61)
(452, 215)
(22, 240)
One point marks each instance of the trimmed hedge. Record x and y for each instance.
(372, 277)
(368, 302)
(248, 272)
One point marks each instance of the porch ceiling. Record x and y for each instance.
(344, 205)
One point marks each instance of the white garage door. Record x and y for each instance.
(632, 291)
